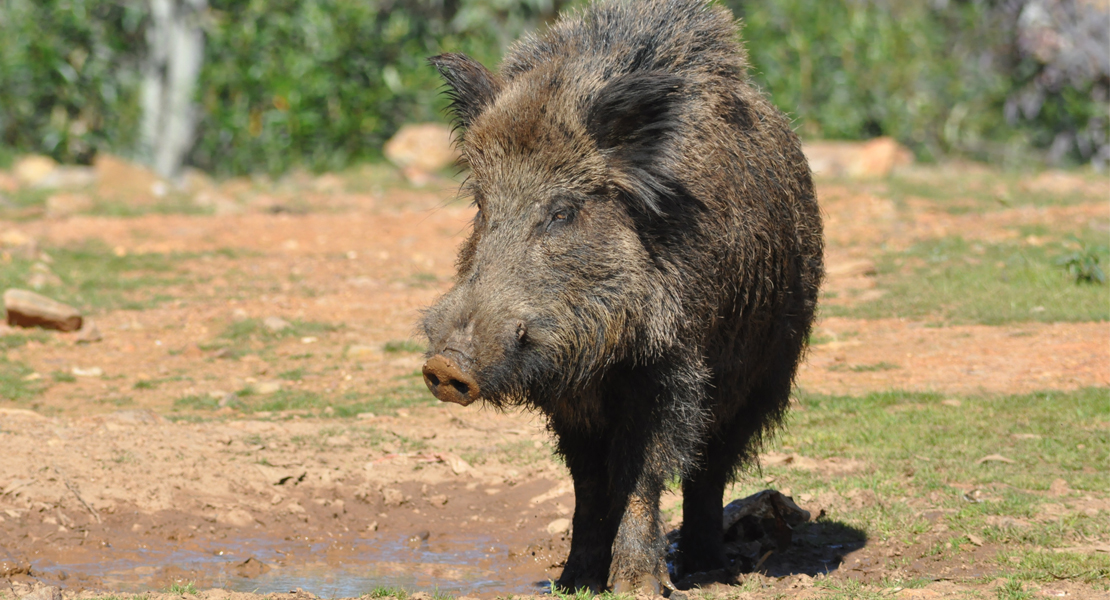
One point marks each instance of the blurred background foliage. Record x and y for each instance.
(69, 76)
(323, 83)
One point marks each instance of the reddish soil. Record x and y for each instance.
(95, 481)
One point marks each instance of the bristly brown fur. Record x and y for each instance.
(643, 268)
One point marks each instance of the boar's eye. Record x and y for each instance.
(559, 218)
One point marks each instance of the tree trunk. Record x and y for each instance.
(176, 52)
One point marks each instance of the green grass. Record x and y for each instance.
(24, 204)
(879, 366)
(182, 588)
(27, 203)
(293, 374)
(398, 346)
(1044, 566)
(13, 383)
(522, 452)
(401, 594)
(63, 377)
(18, 340)
(956, 281)
(891, 431)
(406, 392)
(246, 336)
(94, 277)
(196, 402)
(910, 446)
(979, 192)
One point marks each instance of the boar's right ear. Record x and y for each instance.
(634, 121)
(470, 86)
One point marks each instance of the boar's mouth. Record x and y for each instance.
(448, 382)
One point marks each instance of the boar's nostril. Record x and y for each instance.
(448, 382)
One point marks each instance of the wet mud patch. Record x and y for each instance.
(473, 542)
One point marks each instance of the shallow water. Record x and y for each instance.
(459, 565)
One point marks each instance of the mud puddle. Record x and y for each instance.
(464, 564)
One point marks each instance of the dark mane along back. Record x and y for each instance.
(622, 36)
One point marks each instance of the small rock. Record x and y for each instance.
(361, 351)
(994, 458)
(32, 169)
(438, 500)
(558, 526)
(252, 567)
(16, 240)
(859, 160)
(266, 387)
(879, 157)
(90, 372)
(59, 206)
(1059, 487)
(339, 440)
(41, 278)
(28, 309)
(219, 203)
(123, 180)
(235, 518)
(421, 149)
(457, 463)
(46, 592)
(89, 333)
(275, 324)
(68, 177)
(425, 146)
(282, 475)
(393, 497)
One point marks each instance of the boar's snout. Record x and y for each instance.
(448, 382)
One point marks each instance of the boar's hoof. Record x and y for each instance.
(447, 381)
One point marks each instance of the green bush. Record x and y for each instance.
(852, 70)
(322, 83)
(69, 76)
(941, 77)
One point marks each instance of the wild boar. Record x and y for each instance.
(643, 268)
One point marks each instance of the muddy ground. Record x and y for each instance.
(150, 458)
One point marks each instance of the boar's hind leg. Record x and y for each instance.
(595, 521)
(701, 541)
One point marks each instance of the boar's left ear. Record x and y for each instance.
(634, 121)
(470, 86)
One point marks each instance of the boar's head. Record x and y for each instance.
(555, 283)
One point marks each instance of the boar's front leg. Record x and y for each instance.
(595, 518)
(657, 438)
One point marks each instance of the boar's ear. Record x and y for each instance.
(470, 86)
(634, 120)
